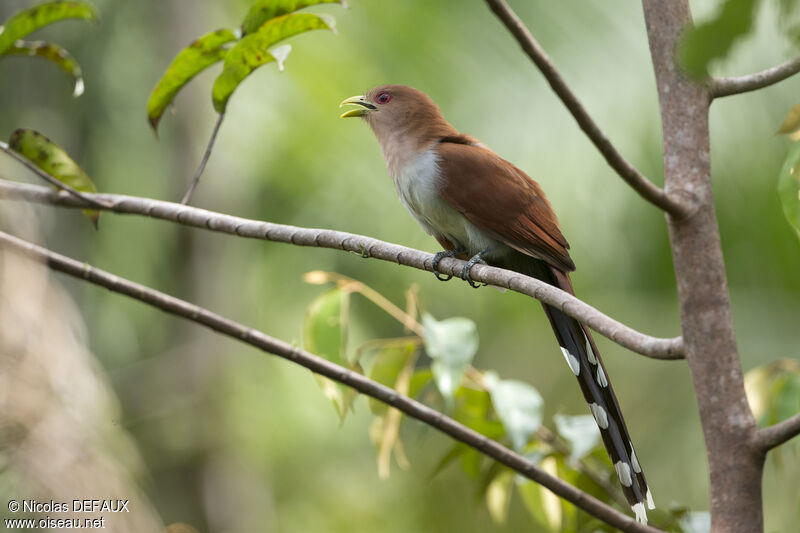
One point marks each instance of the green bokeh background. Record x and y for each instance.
(234, 440)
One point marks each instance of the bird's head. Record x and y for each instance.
(397, 109)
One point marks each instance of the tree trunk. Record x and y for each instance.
(735, 464)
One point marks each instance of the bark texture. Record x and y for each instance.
(735, 463)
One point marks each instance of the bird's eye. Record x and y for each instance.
(383, 98)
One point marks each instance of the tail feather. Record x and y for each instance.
(584, 360)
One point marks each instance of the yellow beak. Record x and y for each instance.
(365, 108)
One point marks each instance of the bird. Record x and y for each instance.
(483, 209)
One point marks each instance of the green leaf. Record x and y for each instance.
(191, 61)
(792, 121)
(543, 506)
(452, 345)
(713, 39)
(519, 407)
(252, 51)
(789, 187)
(324, 335)
(29, 20)
(386, 368)
(696, 522)
(53, 53)
(49, 157)
(264, 10)
(580, 431)
(498, 496)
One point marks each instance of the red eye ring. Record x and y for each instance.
(383, 98)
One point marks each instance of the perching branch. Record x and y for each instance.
(202, 167)
(773, 436)
(653, 347)
(626, 171)
(741, 84)
(332, 371)
(92, 202)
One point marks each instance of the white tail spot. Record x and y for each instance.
(600, 415)
(572, 361)
(590, 352)
(601, 376)
(623, 473)
(635, 462)
(641, 514)
(650, 503)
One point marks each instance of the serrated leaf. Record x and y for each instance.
(264, 10)
(386, 368)
(789, 187)
(791, 123)
(519, 407)
(54, 54)
(452, 344)
(498, 497)
(714, 38)
(189, 62)
(580, 432)
(52, 159)
(323, 335)
(253, 51)
(29, 20)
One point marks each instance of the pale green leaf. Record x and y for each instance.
(324, 335)
(714, 38)
(580, 432)
(53, 53)
(253, 51)
(498, 497)
(25, 22)
(789, 187)
(451, 344)
(192, 60)
(696, 522)
(49, 157)
(519, 407)
(386, 368)
(792, 121)
(263, 10)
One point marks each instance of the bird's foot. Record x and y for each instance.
(441, 255)
(474, 260)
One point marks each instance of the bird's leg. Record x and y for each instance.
(475, 259)
(441, 255)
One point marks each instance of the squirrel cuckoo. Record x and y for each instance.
(482, 208)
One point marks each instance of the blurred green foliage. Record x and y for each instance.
(237, 441)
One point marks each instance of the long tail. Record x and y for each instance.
(584, 360)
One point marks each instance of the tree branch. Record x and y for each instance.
(626, 171)
(653, 347)
(92, 202)
(775, 435)
(330, 370)
(741, 84)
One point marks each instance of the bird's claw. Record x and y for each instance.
(438, 257)
(474, 260)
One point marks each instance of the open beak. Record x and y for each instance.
(365, 108)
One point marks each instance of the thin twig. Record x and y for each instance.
(751, 82)
(93, 202)
(330, 370)
(653, 347)
(202, 167)
(626, 171)
(773, 436)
